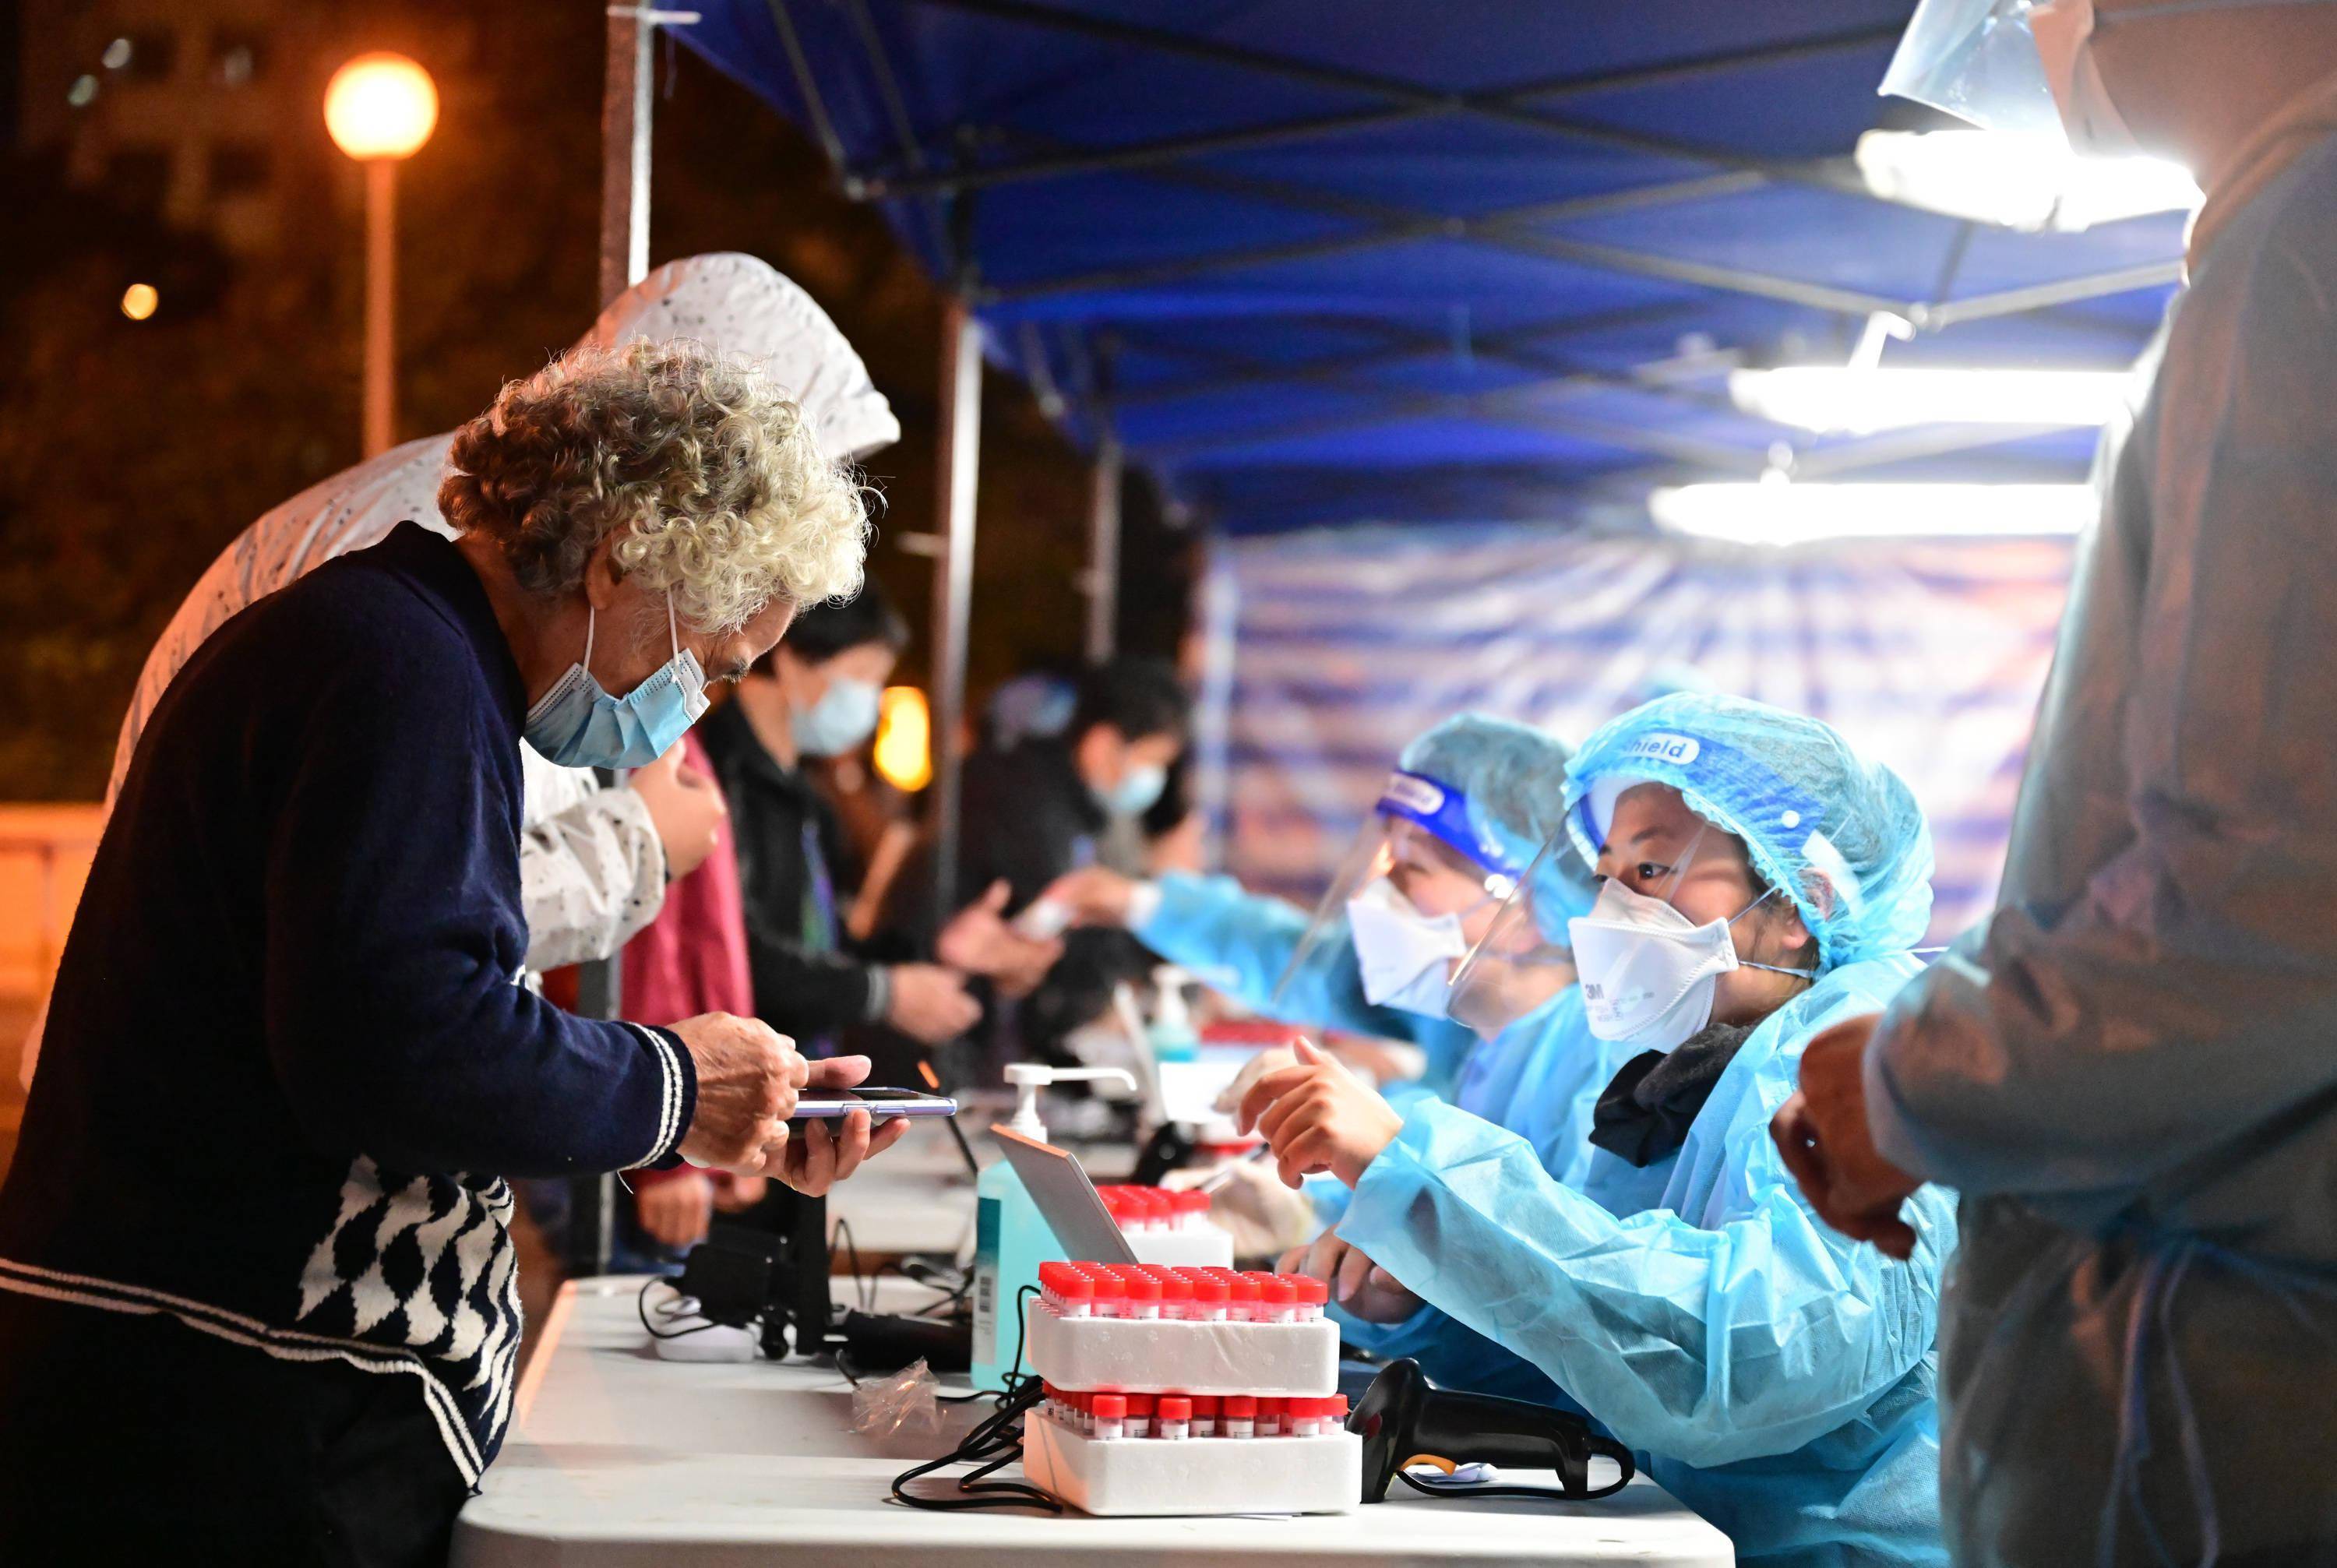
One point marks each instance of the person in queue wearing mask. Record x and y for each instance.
(2125, 1071)
(1459, 824)
(1043, 808)
(1759, 881)
(817, 695)
(255, 1268)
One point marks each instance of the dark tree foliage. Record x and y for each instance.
(131, 452)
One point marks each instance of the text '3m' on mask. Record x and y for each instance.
(1648, 971)
(1405, 956)
(578, 724)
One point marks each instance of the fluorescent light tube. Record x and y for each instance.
(2018, 179)
(1779, 512)
(1831, 397)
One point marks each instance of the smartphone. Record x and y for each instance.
(877, 1103)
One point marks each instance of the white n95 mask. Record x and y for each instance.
(1648, 971)
(1405, 956)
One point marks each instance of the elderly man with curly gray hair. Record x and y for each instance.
(254, 1266)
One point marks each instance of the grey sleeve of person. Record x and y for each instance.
(2160, 977)
(592, 869)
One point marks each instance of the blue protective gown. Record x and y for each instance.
(1775, 1375)
(2131, 1069)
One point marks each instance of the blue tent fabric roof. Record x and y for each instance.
(1319, 260)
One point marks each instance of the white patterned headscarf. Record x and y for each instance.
(728, 301)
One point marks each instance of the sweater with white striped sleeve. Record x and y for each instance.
(289, 1063)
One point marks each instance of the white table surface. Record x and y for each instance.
(618, 1458)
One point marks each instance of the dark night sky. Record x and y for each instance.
(130, 452)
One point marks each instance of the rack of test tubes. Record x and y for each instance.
(1165, 1227)
(1187, 1390)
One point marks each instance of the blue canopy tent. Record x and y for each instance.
(1323, 262)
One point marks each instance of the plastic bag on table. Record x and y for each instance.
(902, 1401)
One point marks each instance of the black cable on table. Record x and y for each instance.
(990, 1447)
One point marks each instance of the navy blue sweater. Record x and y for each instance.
(289, 1061)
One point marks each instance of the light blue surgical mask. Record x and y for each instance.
(844, 717)
(578, 724)
(1139, 789)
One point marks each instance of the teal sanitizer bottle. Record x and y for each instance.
(1011, 1237)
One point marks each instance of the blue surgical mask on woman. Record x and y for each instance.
(578, 724)
(845, 716)
(1138, 791)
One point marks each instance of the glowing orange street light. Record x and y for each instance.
(139, 301)
(380, 108)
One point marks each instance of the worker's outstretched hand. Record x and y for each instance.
(749, 1076)
(1093, 895)
(1318, 1116)
(979, 941)
(822, 1152)
(929, 1003)
(676, 1209)
(1358, 1285)
(1824, 1134)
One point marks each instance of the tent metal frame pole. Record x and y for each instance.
(1388, 226)
(1519, 347)
(627, 114)
(1396, 225)
(1103, 548)
(1500, 105)
(2045, 296)
(956, 473)
(1511, 346)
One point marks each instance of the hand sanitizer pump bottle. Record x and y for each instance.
(1011, 1237)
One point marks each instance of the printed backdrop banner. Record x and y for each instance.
(1328, 650)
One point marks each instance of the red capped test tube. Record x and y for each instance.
(1241, 1295)
(1205, 1415)
(1209, 1295)
(1312, 1295)
(1139, 1415)
(1143, 1291)
(1110, 1416)
(1110, 1293)
(1115, 1205)
(1189, 1209)
(1175, 1419)
(1240, 1416)
(1277, 1298)
(1176, 1293)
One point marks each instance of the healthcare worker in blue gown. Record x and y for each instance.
(2130, 1070)
(1760, 882)
(1459, 824)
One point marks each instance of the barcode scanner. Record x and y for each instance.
(1404, 1415)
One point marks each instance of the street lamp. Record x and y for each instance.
(380, 108)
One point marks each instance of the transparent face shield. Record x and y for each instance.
(1525, 955)
(1406, 902)
(1978, 61)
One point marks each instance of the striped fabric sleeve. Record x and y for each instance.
(680, 1101)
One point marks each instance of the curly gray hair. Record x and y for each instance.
(708, 473)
